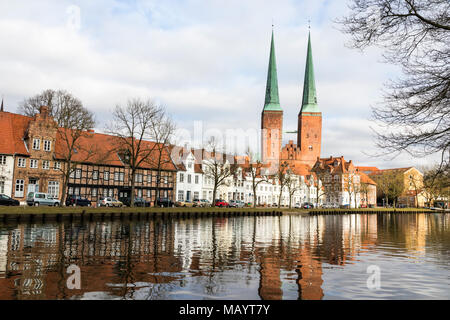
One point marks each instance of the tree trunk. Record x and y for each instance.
(279, 199)
(214, 195)
(133, 173)
(254, 196)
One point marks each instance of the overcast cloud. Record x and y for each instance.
(204, 60)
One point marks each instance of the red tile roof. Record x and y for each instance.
(94, 147)
(99, 148)
(13, 127)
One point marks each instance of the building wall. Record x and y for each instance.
(6, 175)
(309, 137)
(43, 128)
(272, 133)
(194, 188)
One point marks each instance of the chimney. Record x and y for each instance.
(43, 110)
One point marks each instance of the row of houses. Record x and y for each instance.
(32, 159)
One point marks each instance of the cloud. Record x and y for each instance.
(204, 60)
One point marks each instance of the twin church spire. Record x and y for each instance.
(272, 100)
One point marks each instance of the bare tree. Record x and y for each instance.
(436, 184)
(364, 189)
(162, 130)
(254, 170)
(292, 185)
(415, 35)
(282, 178)
(218, 167)
(72, 122)
(390, 184)
(131, 128)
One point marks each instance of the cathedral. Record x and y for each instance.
(302, 155)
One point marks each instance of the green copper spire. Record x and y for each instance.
(309, 103)
(272, 102)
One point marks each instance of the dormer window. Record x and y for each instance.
(36, 144)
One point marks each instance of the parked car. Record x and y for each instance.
(41, 199)
(197, 203)
(205, 203)
(109, 202)
(164, 202)
(297, 205)
(8, 201)
(345, 206)
(236, 204)
(221, 203)
(138, 202)
(78, 201)
(184, 203)
(308, 205)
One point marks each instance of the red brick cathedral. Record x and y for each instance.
(301, 156)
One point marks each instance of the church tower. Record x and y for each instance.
(309, 137)
(272, 115)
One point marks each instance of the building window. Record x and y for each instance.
(78, 174)
(196, 195)
(196, 179)
(181, 177)
(139, 193)
(149, 193)
(95, 175)
(111, 192)
(47, 145)
(57, 165)
(46, 164)
(138, 177)
(33, 163)
(180, 195)
(116, 176)
(190, 165)
(122, 176)
(149, 177)
(189, 178)
(36, 144)
(94, 192)
(105, 192)
(2, 186)
(106, 176)
(22, 162)
(2, 160)
(77, 191)
(19, 188)
(53, 188)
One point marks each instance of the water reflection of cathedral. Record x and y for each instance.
(120, 259)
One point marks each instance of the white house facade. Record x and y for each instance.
(6, 174)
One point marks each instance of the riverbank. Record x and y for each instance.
(35, 214)
(87, 210)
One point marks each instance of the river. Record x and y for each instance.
(357, 256)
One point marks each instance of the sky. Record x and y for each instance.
(205, 61)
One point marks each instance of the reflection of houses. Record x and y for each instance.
(150, 258)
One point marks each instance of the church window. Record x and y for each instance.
(310, 148)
